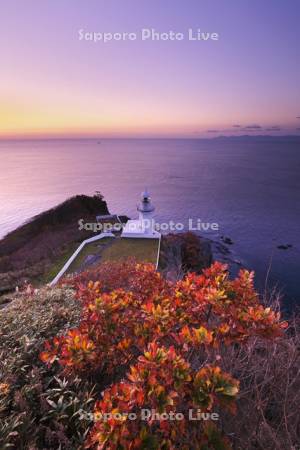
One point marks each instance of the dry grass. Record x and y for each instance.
(35, 317)
(267, 415)
(29, 391)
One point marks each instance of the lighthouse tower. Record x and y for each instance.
(145, 209)
(143, 226)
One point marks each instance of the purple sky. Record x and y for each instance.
(54, 84)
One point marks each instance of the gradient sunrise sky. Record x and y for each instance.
(53, 84)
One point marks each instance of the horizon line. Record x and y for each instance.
(100, 138)
(91, 138)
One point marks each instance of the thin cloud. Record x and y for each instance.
(213, 131)
(253, 127)
(274, 128)
(236, 126)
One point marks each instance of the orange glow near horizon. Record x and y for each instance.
(53, 84)
(45, 112)
(81, 118)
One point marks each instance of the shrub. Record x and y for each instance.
(159, 344)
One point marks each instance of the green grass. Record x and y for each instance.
(108, 249)
(93, 248)
(143, 250)
(58, 264)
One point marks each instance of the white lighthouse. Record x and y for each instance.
(144, 226)
(145, 209)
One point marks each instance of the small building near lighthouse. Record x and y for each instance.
(144, 226)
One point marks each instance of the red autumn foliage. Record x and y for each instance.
(167, 336)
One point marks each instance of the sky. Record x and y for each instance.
(54, 84)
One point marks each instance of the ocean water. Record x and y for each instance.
(249, 187)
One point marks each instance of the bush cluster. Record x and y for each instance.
(158, 345)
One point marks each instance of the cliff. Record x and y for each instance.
(33, 251)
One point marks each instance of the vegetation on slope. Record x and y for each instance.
(33, 251)
(132, 340)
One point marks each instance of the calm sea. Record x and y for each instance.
(249, 187)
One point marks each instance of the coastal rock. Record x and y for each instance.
(227, 240)
(284, 246)
(184, 252)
